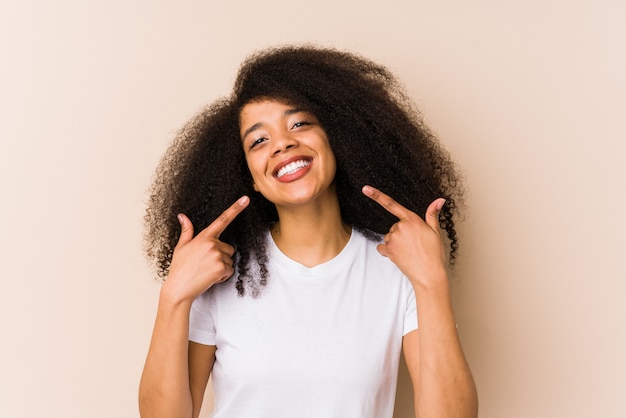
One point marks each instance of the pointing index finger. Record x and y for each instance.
(386, 202)
(218, 226)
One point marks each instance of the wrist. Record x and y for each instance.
(434, 281)
(173, 295)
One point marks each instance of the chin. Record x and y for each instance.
(301, 195)
(294, 201)
(297, 199)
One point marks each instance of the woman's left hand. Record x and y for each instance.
(412, 244)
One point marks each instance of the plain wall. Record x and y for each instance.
(528, 96)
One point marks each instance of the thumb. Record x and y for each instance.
(382, 250)
(432, 213)
(186, 232)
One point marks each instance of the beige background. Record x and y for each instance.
(529, 96)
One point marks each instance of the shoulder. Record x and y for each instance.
(376, 265)
(368, 242)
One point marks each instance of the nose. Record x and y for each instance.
(283, 143)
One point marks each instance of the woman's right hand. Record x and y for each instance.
(200, 262)
(197, 264)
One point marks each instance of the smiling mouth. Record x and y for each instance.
(292, 167)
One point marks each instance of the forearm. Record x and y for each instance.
(446, 386)
(164, 389)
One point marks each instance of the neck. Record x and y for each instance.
(311, 235)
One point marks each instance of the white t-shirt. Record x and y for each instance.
(321, 342)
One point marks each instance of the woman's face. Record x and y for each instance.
(287, 152)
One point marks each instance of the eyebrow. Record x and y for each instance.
(258, 125)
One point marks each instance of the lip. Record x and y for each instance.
(294, 176)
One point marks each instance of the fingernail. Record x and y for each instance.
(180, 218)
(367, 190)
(243, 200)
(441, 203)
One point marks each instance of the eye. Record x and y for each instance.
(300, 124)
(257, 142)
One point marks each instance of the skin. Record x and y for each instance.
(167, 386)
(310, 230)
(274, 134)
(442, 381)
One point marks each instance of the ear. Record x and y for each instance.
(256, 189)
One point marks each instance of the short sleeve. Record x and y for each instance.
(410, 312)
(201, 324)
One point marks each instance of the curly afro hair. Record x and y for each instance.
(376, 133)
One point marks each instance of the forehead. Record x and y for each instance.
(265, 110)
(265, 106)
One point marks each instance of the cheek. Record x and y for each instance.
(256, 171)
(250, 163)
(332, 166)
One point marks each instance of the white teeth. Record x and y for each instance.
(292, 167)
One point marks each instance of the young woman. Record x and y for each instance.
(285, 221)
